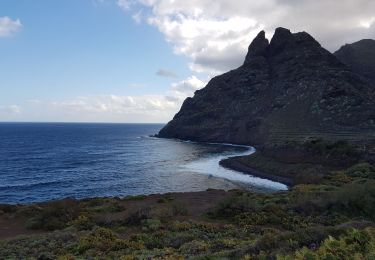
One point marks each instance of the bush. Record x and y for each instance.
(356, 199)
(362, 170)
(104, 240)
(52, 216)
(179, 210)
(352, 200)
(339, 148)
(151, 224)
(137, 217)
(353, 245)
(194, 247)
(83, 223)
(235, 206)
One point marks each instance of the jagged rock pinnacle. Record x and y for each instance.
(258, 47)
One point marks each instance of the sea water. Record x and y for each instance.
(46, 161)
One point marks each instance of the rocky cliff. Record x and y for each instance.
(287, 89)
(360, 57)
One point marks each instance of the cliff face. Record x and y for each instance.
(360, 57)
(289, 88)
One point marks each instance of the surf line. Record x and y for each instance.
(211, 166)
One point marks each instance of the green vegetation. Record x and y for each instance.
(331, 219)
(355, 244)
(338, 148)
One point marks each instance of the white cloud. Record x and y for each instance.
(216, 34)
(138, 17)
(207, 41)
(189, 85)
(10, 113)
(8, 27)
(150, 108)
(185, 88)
(12, 109)
(368, 22)
(106, 108)
(125, 4)
(166, 73)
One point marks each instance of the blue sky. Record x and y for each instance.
(137, 60)
(74, 48)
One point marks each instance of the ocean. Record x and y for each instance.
(47, 161)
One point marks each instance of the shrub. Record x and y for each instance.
(52, 215)
(137, 217)
(162, 200)
(340, 178)
(179, 210)
(362, 170)
(356, 199)
(341, 148)
(83, 223)
(194, 247)
(235, 206)
(352, 200)
(353, 245)
(104, 240)
(151, 224)
(180, 226)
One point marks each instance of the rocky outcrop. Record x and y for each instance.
(287, 89)
(360, 57)
(258, 48)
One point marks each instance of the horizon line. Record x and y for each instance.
(83, 122)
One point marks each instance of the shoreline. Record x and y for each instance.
(233, 163)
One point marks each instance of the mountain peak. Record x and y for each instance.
(282, 39)
(258, 47)
(359, 57)
(281, 34)
(288, 87)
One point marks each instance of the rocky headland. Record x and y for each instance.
(296, 102)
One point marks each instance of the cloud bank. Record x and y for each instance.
(106, 108)
(215, 34)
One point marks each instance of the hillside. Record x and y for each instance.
(360, 57)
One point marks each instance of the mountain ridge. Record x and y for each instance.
(359, 57)
(287, 88)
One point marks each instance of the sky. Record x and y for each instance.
(135, 61)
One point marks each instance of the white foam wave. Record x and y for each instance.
(211, 166)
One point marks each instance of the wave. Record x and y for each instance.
(211, 166)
